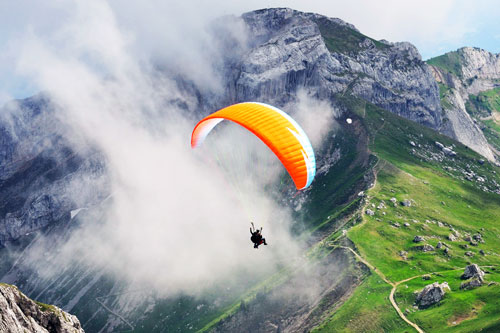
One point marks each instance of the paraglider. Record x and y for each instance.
(256, 237)
(278, 131)
(275, 128)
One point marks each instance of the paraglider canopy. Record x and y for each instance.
(275, 128)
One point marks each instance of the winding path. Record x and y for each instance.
(398, 310)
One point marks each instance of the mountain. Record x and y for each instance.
(411, 162)
(463, 76)
(21, 314)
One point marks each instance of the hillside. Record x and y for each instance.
(443, 201)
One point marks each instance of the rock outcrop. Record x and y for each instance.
(463, 72)
(475, 282)
(471, 271)
(18, 313)
(290, 50)
(431, 294)
(40, 171)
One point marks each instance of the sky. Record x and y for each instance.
(435, 27)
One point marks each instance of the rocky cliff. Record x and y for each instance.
(41, 170)
(18, 313)
(462, 73)
(290, 50)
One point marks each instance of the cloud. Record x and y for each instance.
(178, 218)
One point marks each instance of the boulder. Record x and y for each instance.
(476, 281)
(431, 294)
(406, 203)
(406, 224)
(452, 237)
(370, 212)
(469, 254)
(424, 248)
(471, 271)
(439, 245)
(418, 239)
(478, 238)
(403, 254)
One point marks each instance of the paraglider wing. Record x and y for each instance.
(275, 128)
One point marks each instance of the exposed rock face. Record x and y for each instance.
(39, 171)
(431, 294)
(474, 71)
(476, 281)
(290, 50)
(471, 271)
(18, 313)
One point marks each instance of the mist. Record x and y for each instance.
(177, 219)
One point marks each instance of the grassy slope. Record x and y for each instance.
(460, 311)
(343, 39)
(367, 310)
(450, 62)
(439, 194)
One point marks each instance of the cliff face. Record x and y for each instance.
(40, 171)
(290, 50)
(462, 73)
(18, 313)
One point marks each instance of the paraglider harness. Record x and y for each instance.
(256, 238)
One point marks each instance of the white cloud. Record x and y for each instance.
(176, 221)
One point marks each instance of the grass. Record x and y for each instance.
(491, 130)
(367, 310)
(460, 310)
(46, 307)
(483, 104)
(439, 193)
(343, 39)
(450, 62)
(444, 91)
